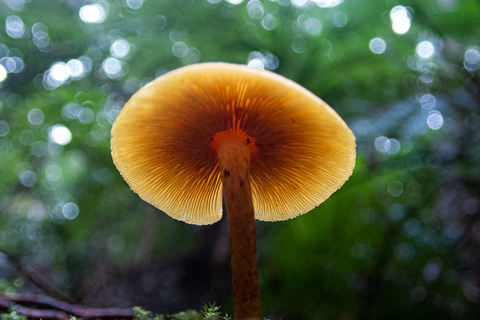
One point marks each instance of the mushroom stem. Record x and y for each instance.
(234, 164)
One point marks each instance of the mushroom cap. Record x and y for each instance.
(162, 142)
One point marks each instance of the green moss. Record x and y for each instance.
(13, 315)
(208, 312)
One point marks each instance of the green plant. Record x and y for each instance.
(13, 315)
(141, 314)
(10, 287)
(188, 315)
(210, 310)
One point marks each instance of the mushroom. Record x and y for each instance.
(270, 146)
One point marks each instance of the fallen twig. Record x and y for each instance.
(54, 309)
(35, 277)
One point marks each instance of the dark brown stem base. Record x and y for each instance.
(234, 163)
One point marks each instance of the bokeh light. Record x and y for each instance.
(269, 22)
(395, 189)
(340, 19)
(19, 65)
(85, 115)
(431, 271)
(270, 61)
(472, 59)
(12, 64)
(53, 172)
(38, 148)
(40, 37)
(418, 293)
(377, 45)
(192, 56)
(60, 134)
(93, 13)
(4, 128)
(179, 49)
(397, 212)
(256, 63)
(70, 210)
(8, 64)
(70, 110)
(425, 49)
(428, 101)
(120, 48)
(28, 178)
(3, 73)
(327, 3)
(263, 60)
(14, 26)
(59, 72)
(313, 26)
(299, 3)
(387, 146)
(299, 44)
(435, 120)
(37, 211)
(134, 4)
(16, 5)
(400, 19)
(87, 65)
(36, 117)
(255, 9)
(112, 67)
(75, 68)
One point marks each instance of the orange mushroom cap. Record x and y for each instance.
(163, 142)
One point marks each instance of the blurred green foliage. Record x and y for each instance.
(399, 240)
(12, 315)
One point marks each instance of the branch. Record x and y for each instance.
(61, 311)
(33, 313)
(37, 279)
